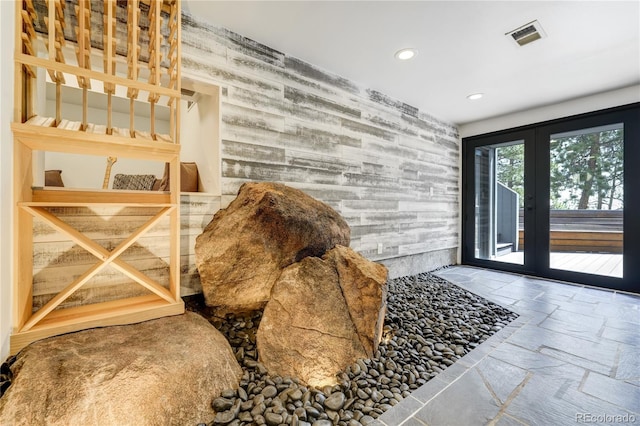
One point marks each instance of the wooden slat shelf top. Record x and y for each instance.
(117, 312)
(61, 140)
(63, 197)
(88, 74)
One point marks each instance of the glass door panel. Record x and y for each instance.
(499, 202)
(586, 194)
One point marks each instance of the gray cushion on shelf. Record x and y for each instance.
(134, 182)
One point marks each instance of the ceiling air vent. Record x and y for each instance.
(527, 33)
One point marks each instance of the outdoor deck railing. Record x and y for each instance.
(595, 231)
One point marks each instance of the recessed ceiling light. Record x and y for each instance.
(405, 54)
(475, 96)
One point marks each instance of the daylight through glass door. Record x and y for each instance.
(499, 199)
(586, 201)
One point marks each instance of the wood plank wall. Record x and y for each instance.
(390, 169)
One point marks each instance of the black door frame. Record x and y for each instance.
(536, 138)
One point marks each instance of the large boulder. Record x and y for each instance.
(158, 372)
(268, 226)
(316, 322)
(364, 287)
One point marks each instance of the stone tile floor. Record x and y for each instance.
(572, 357)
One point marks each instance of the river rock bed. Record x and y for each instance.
(430, 323)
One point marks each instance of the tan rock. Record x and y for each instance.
(160, 372)
(310, 327)
(269, 226)
(364, 287)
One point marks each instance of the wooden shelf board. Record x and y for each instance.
(84, 197)
(95, 75)
(117, 312)
(61, 140)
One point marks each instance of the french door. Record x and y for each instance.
(559, 199)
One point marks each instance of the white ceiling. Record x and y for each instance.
(590, 47)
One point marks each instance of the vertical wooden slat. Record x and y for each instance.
(23, 225)
(174, 257)
(155, 56)
(133, 50)
(54, 42)
(58, 102)
(83, 52)
(51, 23)
(22, 172)
(18, 75)
(109, 51)
(177, 7)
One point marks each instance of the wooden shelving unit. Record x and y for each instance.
(160, 83)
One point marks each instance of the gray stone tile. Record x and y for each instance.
(576, 360)
(587, 404)
(476, 355)
(456, 276)
(517, 292)
(628, 367)
(619, 311)
(560, 290)
(453, 372)
(586, 330)
(569, 340)
(631, 299)
(531, 282)
(503, 301)
(493, 276)
(524, 358)
(430, 389)
(540, 403)
(534, 338)
(622, 336)
(476, 406)
(500, 377)
(401, 411)
(507, 420)
(577, 307)
(616, 392)
(594, 320)
(629, 324)
(412, 421)
(563, 377)
(537, 305)
(634, 382)
(593, 295)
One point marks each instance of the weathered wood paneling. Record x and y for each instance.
(390, 169)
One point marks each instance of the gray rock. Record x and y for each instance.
(222, 404)
(273, 419)
(269, 391)
(335, 401)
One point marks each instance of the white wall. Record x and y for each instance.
(200, 141)
(582, 105)
(7, 27)
(87, 171)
